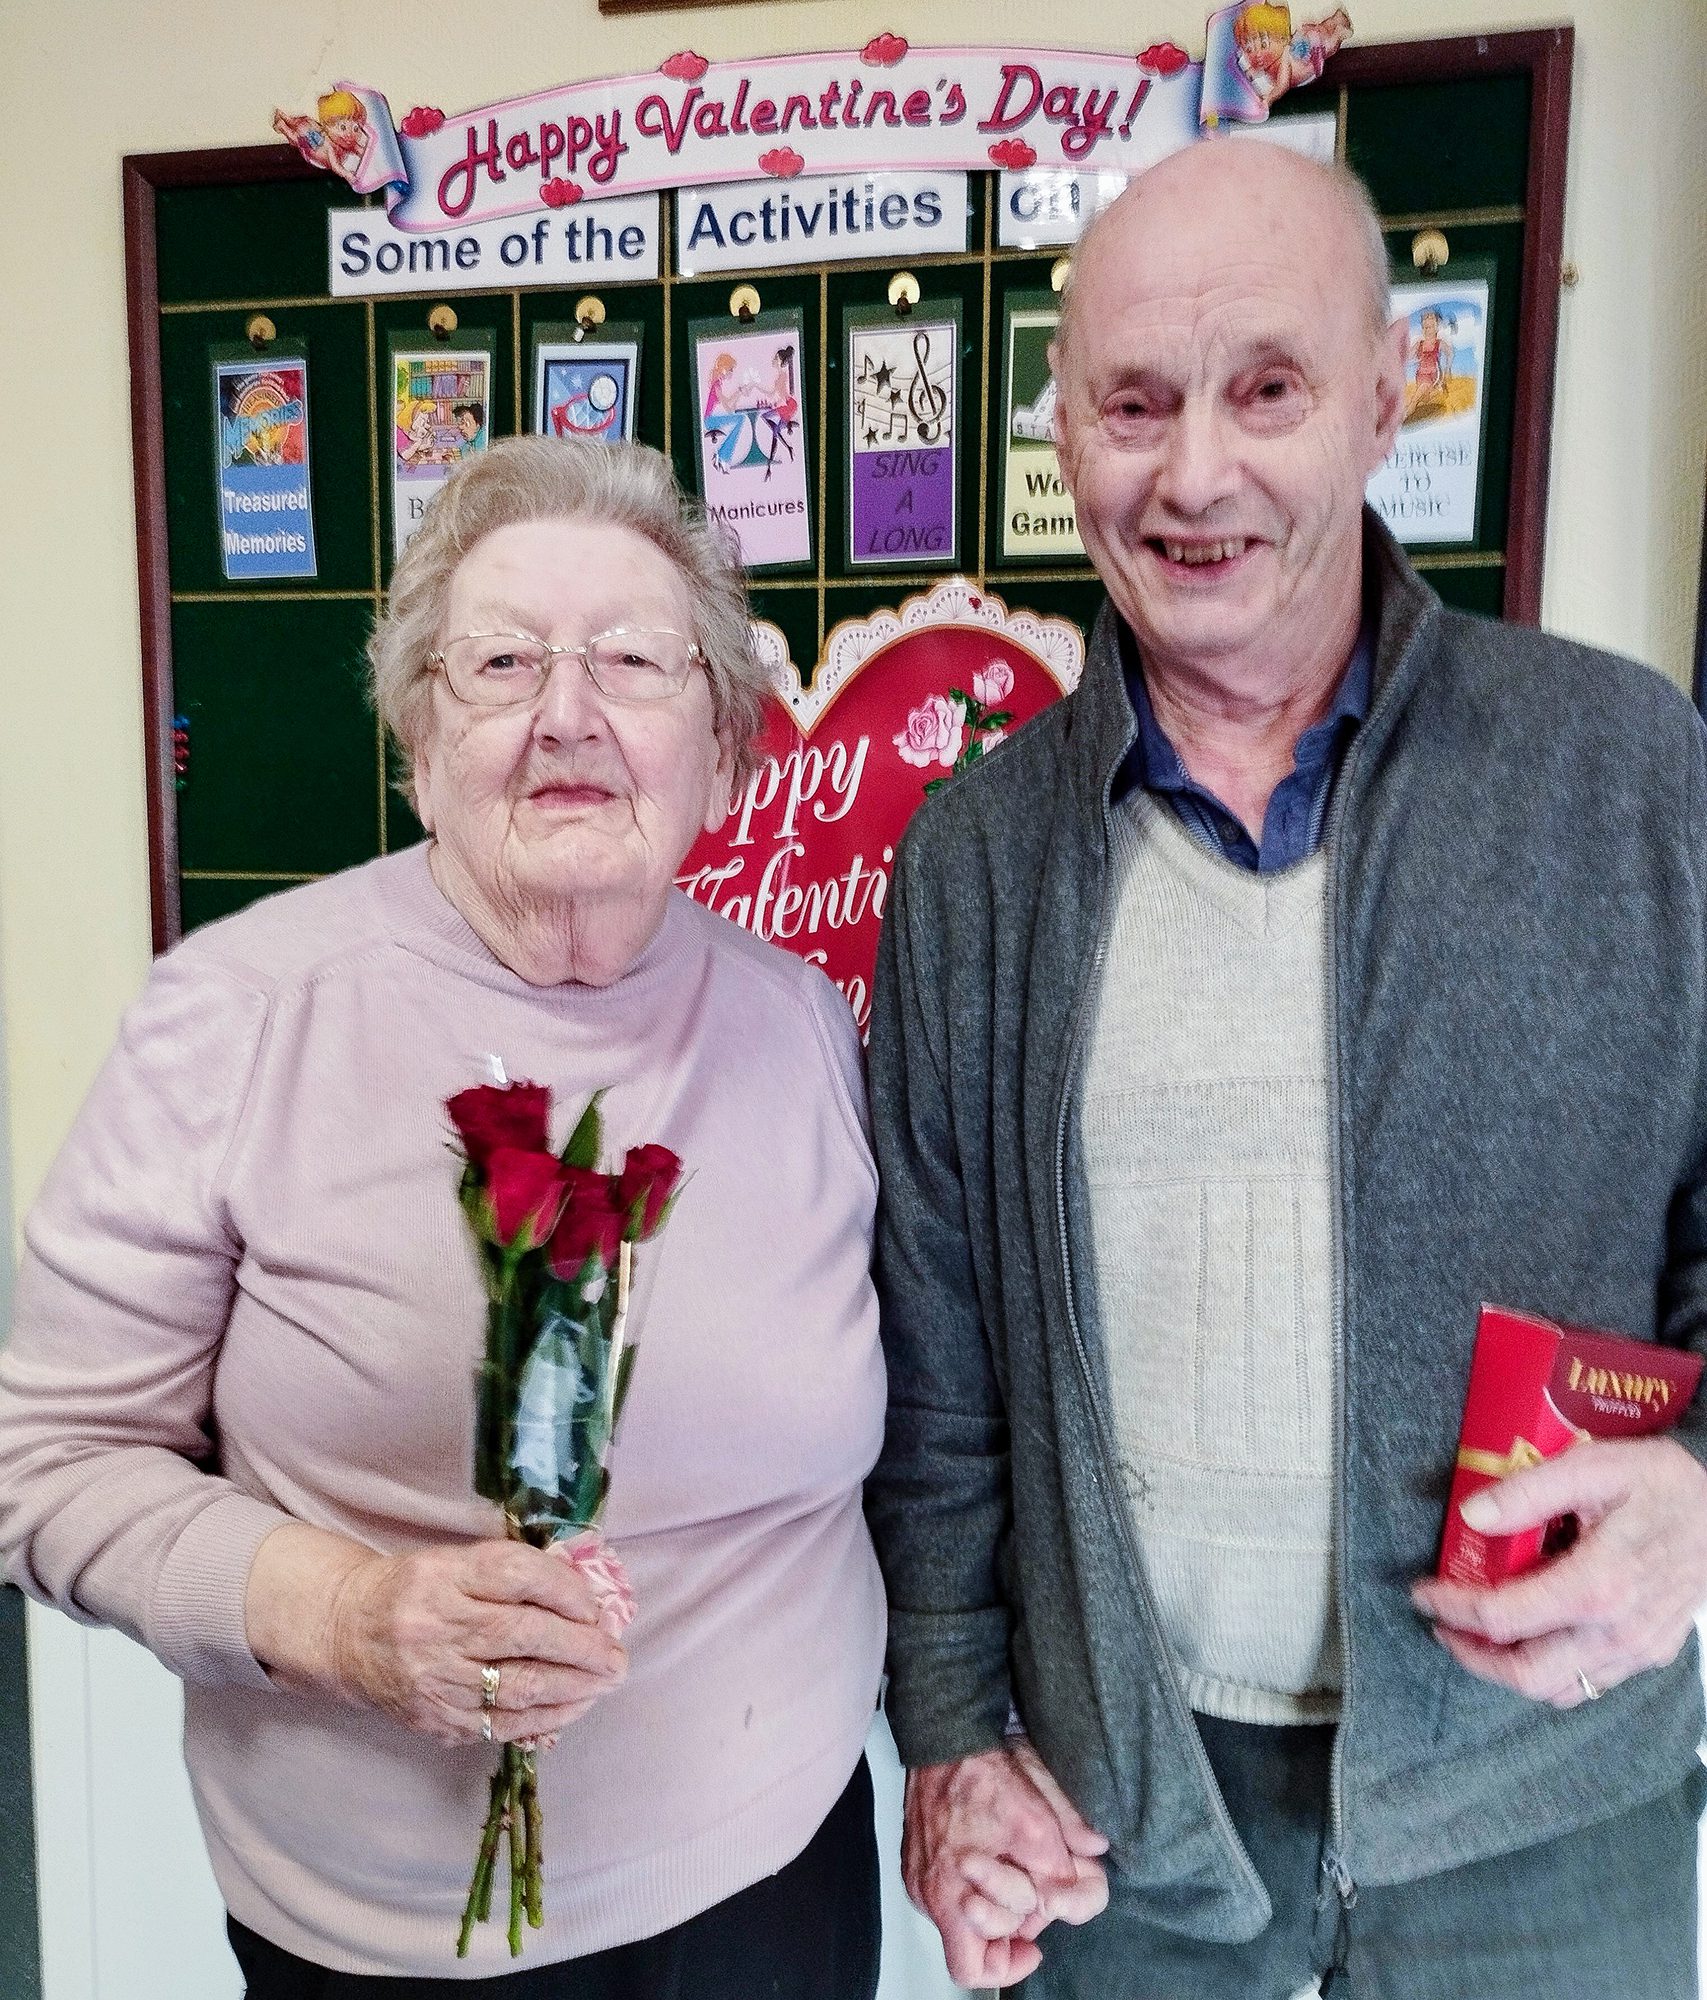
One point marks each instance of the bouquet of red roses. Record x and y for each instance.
(556, 1240)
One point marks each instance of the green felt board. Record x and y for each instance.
(334, 339)
(284, 771)
(288, 776)
(1426, 149)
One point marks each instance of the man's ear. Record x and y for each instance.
(1058, 420)
(1389, 389)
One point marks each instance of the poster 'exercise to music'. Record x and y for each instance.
(902, 440)
(753, 471)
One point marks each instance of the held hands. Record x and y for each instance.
(410, 1634)
(992, 1851)
(1621, 1600)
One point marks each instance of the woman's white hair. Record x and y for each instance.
(525, 479)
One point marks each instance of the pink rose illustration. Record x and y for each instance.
(933, 733)
(992, 683)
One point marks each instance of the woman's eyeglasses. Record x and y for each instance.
(504, 669)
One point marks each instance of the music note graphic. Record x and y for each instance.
(927, 401)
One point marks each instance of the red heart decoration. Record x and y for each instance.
(804, 858)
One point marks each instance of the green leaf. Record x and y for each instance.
(999, 718)
(587, 1137)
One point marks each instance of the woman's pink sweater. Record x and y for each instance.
(250, 1297)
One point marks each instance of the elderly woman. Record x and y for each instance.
(237, 1413)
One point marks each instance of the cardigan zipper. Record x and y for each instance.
(1335, 1869)
(1105, 1449)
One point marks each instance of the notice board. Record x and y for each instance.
(266, 765)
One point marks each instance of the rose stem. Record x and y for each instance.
(518, 1848)
(479, 1905)
(536, 1842)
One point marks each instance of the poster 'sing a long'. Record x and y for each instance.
(902, 437)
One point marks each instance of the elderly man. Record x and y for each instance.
(1328, 963)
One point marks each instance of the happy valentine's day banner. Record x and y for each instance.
(887, 105)
(902, 702)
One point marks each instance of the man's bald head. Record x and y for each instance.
(1228, 381)
(1302, 194)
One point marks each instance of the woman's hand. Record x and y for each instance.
(409, 1635)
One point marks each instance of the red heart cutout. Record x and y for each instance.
(804, 858)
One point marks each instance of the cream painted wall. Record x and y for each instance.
(91, 80)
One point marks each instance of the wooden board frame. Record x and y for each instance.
(1544, 55)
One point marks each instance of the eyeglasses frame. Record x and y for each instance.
(696, 657)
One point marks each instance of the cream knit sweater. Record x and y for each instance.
(1204, 1138)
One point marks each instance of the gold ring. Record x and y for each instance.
(1590, 1691)
(489, 1677)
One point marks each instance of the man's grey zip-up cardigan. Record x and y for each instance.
(1517, 883)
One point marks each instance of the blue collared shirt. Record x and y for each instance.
(1298, 806)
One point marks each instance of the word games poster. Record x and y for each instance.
(1037, 510)
(1428, 490)
(902, 436)
(266, 514)
(752, 434)
(586, 388)
(441, 400)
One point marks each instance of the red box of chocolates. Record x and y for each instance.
(1536, 1389)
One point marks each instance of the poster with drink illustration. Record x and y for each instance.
(441, 400)
(903, 702)
(586, 388)
(1038, 520)
(902, 435)
(1428, 489)
(751, 397)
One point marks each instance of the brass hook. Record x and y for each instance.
(589, 313)
(1429, 250)
(903, 292)
(743, 302)
(261, 331)
(441, 322)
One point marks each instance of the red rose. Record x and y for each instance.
(590, 1225)
(648, 1179)
(525, 1190)
(491, 1116)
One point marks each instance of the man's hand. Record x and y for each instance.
(992, 1851)
(1622, 1600)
